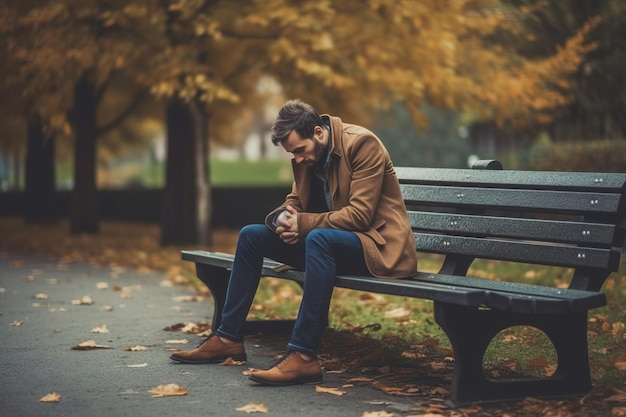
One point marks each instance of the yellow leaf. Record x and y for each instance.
(53, 397)
(231, 362)
(90, 345)
(179, 341)
(100, 329)
(168, 390)
(377, 414)
(333, 391)
(253, 408)
(140, 365)
(135, 348)
(85, 300)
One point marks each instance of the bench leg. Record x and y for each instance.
(470, 331)
(216, 279)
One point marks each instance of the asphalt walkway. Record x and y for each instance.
(47, 307)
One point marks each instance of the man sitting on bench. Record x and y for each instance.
(344, 215)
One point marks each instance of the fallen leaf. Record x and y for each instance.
(360, 379)
(620, 366)
(619, 396)
(231, 362)
(100, 329)
(618, 411)
(188, 298)
(141, 365)
(330, 390)
(102, 285)
(107, 308)
(90, 345)
(253, 408)
(53, 397)
(41, 296)
(85, 300)
(397, 313)
(168, 390)
(135, 348)
(179, 341)
(377, 414)
(17, 323)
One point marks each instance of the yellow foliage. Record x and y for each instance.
(349, 56)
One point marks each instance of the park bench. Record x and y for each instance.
(566, 219)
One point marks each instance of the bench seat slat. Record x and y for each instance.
(495, 198)
(467, 291)
(577, 181)
(518, 228)
(518, 251)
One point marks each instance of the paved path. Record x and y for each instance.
(39, 324)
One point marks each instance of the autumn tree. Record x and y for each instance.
(598, 102)
(204, 58)
(70, 50)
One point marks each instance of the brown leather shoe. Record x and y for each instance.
(290, 369)
(212, 350)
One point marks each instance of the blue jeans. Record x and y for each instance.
(322, 255)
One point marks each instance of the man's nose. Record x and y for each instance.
(298, 159)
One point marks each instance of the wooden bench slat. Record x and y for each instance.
(468, 291)
(518, 251)
(518, 228)
(537, 180)
(495, 198)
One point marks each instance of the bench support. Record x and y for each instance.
(470, 331)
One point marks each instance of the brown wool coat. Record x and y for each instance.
(366, 199)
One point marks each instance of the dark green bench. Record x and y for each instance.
(565, 219)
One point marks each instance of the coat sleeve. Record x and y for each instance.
(292, 199)
(368, 159)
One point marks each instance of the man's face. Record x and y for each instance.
(307, 151)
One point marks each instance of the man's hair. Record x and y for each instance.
(295, 115)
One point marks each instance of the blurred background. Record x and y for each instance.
(159, 111)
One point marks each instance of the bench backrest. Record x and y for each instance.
(567, 219)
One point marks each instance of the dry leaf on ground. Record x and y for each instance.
(84, 300)
(90, 345)
(135, 348)
(253, 408)
(41, 296)
(139, 365)
(231, 362)
(168, 390)
(177, 341)
(333, 391)
(17, 323)
(377, 414)
(100, 329)
(53, 397)
(188, 298)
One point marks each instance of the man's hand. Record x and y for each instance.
(288, 226)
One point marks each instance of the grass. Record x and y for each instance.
(223, 173)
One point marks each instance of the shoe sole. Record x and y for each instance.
(219, 359)
(314, 379)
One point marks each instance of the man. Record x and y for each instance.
(345, 215)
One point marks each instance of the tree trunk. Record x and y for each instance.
(40, 197)
(84, 209)
(187, 201)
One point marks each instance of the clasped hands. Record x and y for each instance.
(288, 226)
